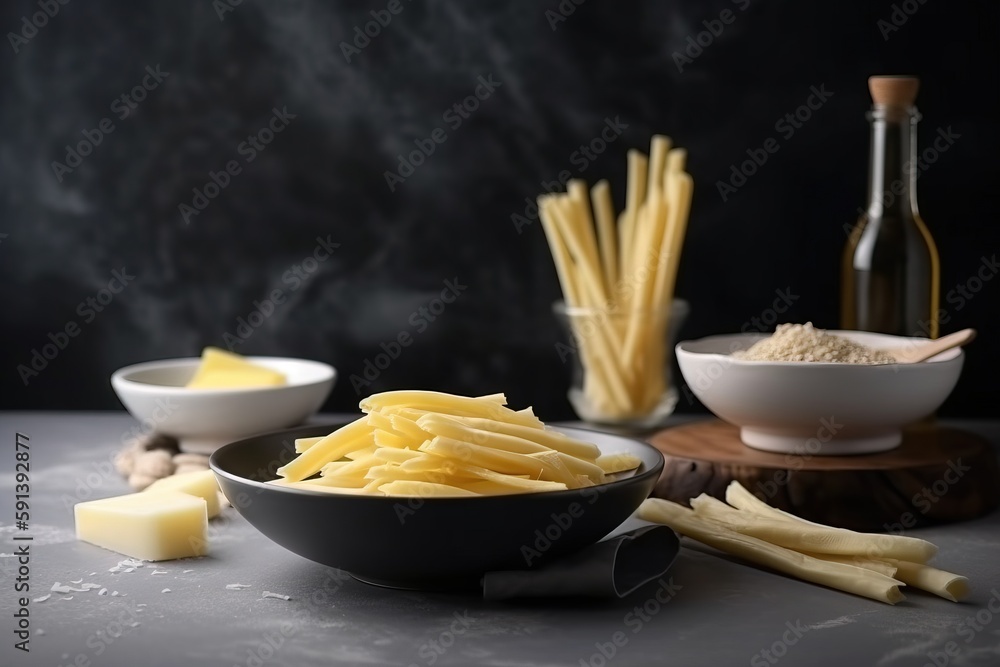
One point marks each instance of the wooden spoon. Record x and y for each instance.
(916, 352)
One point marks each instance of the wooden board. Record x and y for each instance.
(937, 475)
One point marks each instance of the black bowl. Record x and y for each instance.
(433, 542)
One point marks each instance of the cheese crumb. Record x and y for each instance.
(276, 596)
(803, 342)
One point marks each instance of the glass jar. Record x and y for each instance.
(622, 362)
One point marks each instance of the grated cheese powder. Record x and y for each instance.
(803, 342)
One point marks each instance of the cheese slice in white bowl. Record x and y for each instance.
(224, 370)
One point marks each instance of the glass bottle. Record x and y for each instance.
(891, 273)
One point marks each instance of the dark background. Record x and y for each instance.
(323, 175)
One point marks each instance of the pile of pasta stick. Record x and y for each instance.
(867, 564)
(432, 444)
(622, 273)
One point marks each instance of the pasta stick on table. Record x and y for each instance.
(870, 544)
(750, 517)
(874, 564)
(814, 537)
(944, 584)
(835, 575)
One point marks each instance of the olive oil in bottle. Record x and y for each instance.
(891, 275)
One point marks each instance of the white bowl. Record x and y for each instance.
(813, 408)
(154, 393)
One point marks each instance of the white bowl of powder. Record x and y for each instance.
(805, 392)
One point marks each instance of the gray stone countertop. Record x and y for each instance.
(721, 612)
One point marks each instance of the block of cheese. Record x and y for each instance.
(237, 379)
(217, 359)
(150, 526)
(224, 370)
(201, 483)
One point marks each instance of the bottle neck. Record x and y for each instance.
(892, 167)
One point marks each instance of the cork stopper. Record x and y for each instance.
(894, 91)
